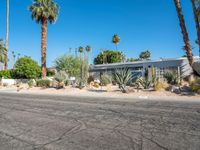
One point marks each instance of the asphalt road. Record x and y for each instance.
(73, 123)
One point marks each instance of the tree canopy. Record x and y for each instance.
(44, 10)
(68, 63)
(109, 56)
(145, 55)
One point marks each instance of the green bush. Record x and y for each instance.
(27, 68)
(6, 74)
(70, 64)
(109, 56)
(43, 83)
(105, 79)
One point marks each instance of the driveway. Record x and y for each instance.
(30, 122)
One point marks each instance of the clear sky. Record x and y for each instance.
(141, 24)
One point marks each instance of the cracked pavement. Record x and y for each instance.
(33, 122)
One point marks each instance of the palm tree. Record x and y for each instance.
(7, 31)
(80, 49)
(115, 40)
(186, 40)
(18, 56)
(88, 48)
(196, 19)
(14, 57)
(44, 11)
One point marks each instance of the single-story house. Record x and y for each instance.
(181, 65)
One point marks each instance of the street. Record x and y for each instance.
(36, 122)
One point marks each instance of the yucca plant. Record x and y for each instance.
(122, 77)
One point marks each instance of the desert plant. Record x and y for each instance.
(145, 83)
(159, 85)
(44, 83)
(81, 84)
(105, 79)
(171, 77)
(61, 77)
(27, 68)
(122, 77)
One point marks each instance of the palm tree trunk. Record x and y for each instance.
(7, 32)
(186, 40)
(43, 48)
(196, 19)
(116, 47)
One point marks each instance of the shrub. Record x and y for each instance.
(26, 68)
(61, 76)
(105, 79)
(160, 85)
(171, 77)
(122, 77)
(70, 64)
(43, 83)
(6, 74)
(30, 83)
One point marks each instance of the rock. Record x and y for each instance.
(175, 89)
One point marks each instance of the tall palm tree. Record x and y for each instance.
(44, 11)
(116, 40)
(88, 48)
(7, 31)
(186, 40)
(196, 19)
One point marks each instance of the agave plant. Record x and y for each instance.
(145, 83)
(61, 77)
(122, 77)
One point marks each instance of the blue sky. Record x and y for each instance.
(141, 24)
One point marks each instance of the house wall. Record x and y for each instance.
(181, 65)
